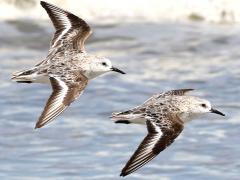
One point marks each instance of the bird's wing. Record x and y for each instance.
(177, 92)
(64, 93)
(71, 31)
(161, 133)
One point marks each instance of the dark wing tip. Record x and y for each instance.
(43, 3)
(190, 89)
(179, 92)
(47, 6)
(38, 125)
(185, 90)
(123, 174)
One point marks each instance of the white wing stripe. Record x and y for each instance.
(57, 102)
(71, 31)
(148, 158)
(62, 16)
(68, 27)
(61, 97)
(146, 150)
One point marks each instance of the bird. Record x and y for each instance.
(164, 115)
(68, 67)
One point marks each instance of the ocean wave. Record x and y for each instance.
(219, 11)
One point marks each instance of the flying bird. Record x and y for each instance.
(164, 115)
(67, 67)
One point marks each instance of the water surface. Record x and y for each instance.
(83, 143)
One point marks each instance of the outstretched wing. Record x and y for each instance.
(177, 92)
(71, 31)
(64, 93)
(160, 135)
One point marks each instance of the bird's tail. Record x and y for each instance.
(25, 76)
(126, 117)
(118, 117)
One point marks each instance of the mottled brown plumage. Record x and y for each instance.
(77, 30)
(60, 98)
(67, 67)
(165, 115)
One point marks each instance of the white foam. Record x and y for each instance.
(135, 10)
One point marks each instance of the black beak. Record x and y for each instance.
(216, 112)
(117, 70)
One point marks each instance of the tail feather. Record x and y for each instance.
(127, 117)
(123, 121)
(116, 116)
(25, 76)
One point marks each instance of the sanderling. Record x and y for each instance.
(164, 115)
(68, 68)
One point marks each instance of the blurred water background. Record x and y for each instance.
(197, 49)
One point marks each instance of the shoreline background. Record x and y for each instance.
(213, 11)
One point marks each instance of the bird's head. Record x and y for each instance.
(196, 105)
(103, 65)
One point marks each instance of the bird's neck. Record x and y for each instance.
(186, 117)
(92, 75)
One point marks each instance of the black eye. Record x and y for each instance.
(104, 64)
(204, 105)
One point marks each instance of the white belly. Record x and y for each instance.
(186, 117)
(138, 121)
